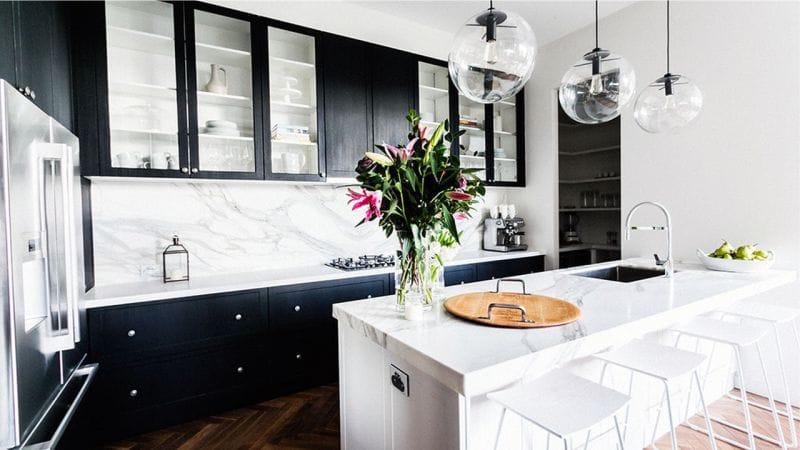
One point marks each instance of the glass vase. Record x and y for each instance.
(418, 277)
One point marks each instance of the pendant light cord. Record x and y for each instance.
(668, 36)
(596, 25)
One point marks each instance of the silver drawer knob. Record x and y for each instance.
(239, 369)
(194, 170)
(369, 296)
(297, 308)
(298, 356)
(133, 393)
(462, 282)
(184, 170)
(131, 333)
(238, 317)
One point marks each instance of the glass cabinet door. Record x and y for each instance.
(504, 148)
(434, 96)
(145, 92)
(223, 125)
(472, 118)
(293, 111)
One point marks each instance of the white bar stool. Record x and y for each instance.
(737, 336)
(665, 364)
(562, 404)
(776, 316)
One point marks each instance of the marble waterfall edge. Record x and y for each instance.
(232, 227)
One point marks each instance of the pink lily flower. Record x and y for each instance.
(460, 216)
(462, 182)
(399, 154)
(459, 196)
(370, 199)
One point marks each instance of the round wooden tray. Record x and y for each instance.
(512, 310)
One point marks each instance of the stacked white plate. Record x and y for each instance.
(222, 128)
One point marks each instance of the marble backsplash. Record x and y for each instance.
(232, 227)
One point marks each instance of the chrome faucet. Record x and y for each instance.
(666, 263)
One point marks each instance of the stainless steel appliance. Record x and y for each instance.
(571, 235)
(362, 262)
(503, 235)
(41, 276)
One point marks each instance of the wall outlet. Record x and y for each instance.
(399, 379)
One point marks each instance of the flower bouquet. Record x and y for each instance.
(417, 191)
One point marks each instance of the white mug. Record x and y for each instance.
(159, 161)
(127, 160)
(293, 162)
(503, 210)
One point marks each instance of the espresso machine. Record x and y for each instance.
(503, 235)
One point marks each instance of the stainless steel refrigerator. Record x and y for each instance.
(41, 276)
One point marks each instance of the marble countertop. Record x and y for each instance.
(152, 290)
(473, 359)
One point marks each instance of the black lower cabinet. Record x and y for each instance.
(468, 273)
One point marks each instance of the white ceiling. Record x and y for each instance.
(550, 20)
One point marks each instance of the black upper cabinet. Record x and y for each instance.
(36, 47)
(7, 57)
(62, 65)
(394, 89)
(348, 105)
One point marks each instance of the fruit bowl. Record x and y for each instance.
(735, 265)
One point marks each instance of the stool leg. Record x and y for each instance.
(771, 398)
(602, 377)
(658, 418)
(748, 422)
(566, 444)
(500, 428)
(789, 409)
(672, 432)
(705, 410)
(619, 434)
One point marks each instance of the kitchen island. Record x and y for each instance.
(423, 384)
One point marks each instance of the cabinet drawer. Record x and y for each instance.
(509, 268)
(149, 327)
(310, 305)
(299, 359)
(142, 385)
(459, 274)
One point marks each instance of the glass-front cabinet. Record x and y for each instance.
(505, 151)
(434, 95)
(294, 116)
(146, 98)
(224, 96)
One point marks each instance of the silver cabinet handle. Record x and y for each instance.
(133, 393)
(131, 333)
(238, 317)
(184, 170)
(194, 170)
(297, 308)
(298, 356)
(240, 369)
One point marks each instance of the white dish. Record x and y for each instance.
(222, 132)
(227, 124)
(734, 265)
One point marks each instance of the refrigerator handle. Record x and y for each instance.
(65, 336)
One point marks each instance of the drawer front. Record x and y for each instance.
(299, 359)
(133, 387)
(459, 275)
(509, 268)
(310, 305)
(119, 330)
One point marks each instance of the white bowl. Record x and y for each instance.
(734, 265)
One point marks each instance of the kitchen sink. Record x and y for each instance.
(621, 274)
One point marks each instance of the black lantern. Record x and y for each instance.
(175, 261)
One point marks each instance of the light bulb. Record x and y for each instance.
(656, 112)
(596, 87)
(490, 52)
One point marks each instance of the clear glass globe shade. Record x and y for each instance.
(597, 98)
(657, 112)
(488, 72)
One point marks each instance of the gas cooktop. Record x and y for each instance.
(362, 262)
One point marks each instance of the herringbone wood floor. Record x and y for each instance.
(310, 420)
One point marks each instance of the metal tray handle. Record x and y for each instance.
(519, 308)
(515, 280)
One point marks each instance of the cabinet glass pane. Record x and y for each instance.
(434, 96)
(505, 141)
(293, 102)
(472, 118)
(224, 93)
(141, 75)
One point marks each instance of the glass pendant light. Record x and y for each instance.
(598, 86)
(668, 103)
(492, 56)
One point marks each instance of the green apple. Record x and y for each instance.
(745, 252)
(724, 249)
(761, 254)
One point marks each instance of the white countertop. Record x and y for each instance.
(152, 290)
(472, 359)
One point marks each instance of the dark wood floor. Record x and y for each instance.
(306, 420)
(310, 420)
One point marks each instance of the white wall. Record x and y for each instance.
(734, 172)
